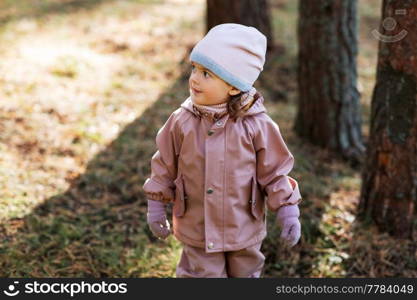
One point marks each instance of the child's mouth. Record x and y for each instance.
(195, 92)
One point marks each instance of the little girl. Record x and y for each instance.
(221, 160)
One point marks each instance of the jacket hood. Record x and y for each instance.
(256, 108)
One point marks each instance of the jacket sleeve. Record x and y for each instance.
(273, 163)
(160, 186)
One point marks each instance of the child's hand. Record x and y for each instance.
(287, 218)
(157, 219)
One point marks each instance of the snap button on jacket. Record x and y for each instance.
(221, 176)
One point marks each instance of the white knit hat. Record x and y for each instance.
(234, 52)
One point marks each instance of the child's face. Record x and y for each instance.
(208, 89)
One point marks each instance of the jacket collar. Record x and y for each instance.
(256, 108)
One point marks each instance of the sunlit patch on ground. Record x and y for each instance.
(71, 81)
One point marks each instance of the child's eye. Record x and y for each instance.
(205, 73)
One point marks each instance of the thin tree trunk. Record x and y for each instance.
(389, 188)
(328, 104)
(254, 13)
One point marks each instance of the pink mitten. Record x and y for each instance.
(287, 218)
(157, 219)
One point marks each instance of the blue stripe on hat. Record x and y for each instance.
(220, 71)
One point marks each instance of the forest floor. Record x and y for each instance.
(84, 88)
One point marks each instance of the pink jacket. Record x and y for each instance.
(220, 175)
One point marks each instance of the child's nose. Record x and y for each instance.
(193, 78)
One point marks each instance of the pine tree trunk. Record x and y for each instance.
(254, 13)
(328, 104)
(389, 188)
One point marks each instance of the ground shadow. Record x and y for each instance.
(41, 9)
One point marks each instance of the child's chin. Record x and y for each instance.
(197, 100)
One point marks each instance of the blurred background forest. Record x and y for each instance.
(84, 87)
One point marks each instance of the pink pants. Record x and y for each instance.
(195, 262)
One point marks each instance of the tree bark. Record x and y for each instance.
(255, 13)
(389, 187)
(328, 104)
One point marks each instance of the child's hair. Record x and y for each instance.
(234, 108)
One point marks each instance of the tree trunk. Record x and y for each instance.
(254, 13)
(328, 104)
(389, 188)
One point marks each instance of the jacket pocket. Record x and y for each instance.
(256, 202)
(180, 197)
